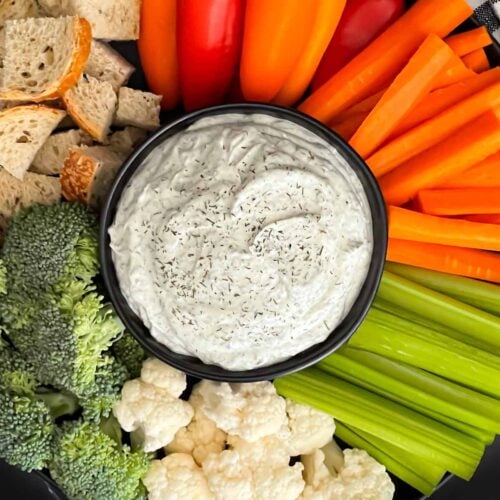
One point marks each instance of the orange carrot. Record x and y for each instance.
(470, 145)
(469, 41)
(348, 127)
(365, 106)
(446, 259)
(461, 201)
(456, 71)
(381, 61)
(413, 82)
(406, 224)
(328, 14)
(274, 39)
(484, 174)
(477, 61)
(158, 49)
(486, 218)
(433, 131)
(438, 100)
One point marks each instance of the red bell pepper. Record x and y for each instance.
(361, 22)
(209, 35)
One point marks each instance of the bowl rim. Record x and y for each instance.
(338, 337)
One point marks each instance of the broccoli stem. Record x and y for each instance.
(112, 429)
(59, 403)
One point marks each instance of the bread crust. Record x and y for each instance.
(81, 52)
(77, 176)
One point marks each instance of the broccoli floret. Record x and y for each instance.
(130, 353)
(98, 402)
(51, 311)
(89, 465)
(27, 413)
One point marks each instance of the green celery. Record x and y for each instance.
(477, 293)
(383, 305)
(390, 421)
(423, 476)
(417, 389)
(442, 309)
(398, 339)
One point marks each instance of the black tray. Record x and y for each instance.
(18, 485)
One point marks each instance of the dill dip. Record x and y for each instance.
(242, 241)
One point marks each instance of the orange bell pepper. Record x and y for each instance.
(158, 49)
(275, 35)
(326, 20)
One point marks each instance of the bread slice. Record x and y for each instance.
(88, 174)
(110, 19)
(17, 9)
(50, 158)
(16, 194)
(126, 140)
(138, 109)
(44, 57)
(107, 65)
(23, 131)
(92, 104)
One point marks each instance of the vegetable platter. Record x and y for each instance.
(414, 92)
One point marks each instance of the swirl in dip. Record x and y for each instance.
(242, 241)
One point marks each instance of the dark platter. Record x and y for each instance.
(18, 485)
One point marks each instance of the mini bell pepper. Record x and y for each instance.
(276, 33)
(361, 22)
(158, 51)
(209, 34)
(327, 17)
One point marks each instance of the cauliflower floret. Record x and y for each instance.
(201, 437)
(249, 473)
(309, 428)
(176, 477)
(361, 478)
(250, 411)
(151, 411)
(157, 373)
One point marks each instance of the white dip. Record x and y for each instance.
(242, 241)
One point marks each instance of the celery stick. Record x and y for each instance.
(415, 388)
(440, 308)
(400, 340)
(395, 460)
(383, 305)
(477, 293)
(390, 421)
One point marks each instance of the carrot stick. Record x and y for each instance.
(447, 259)
(413, 82)
(327, 18)
(433, 131)
(406, 224)
(484, 174)
(455, 72)
(477, 61)
(438, 100)
(381, 61)
(348, 127)
(486, 218)
(461, 201)
(469, 41)
(364, 106)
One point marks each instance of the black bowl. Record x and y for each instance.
(337, 338)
